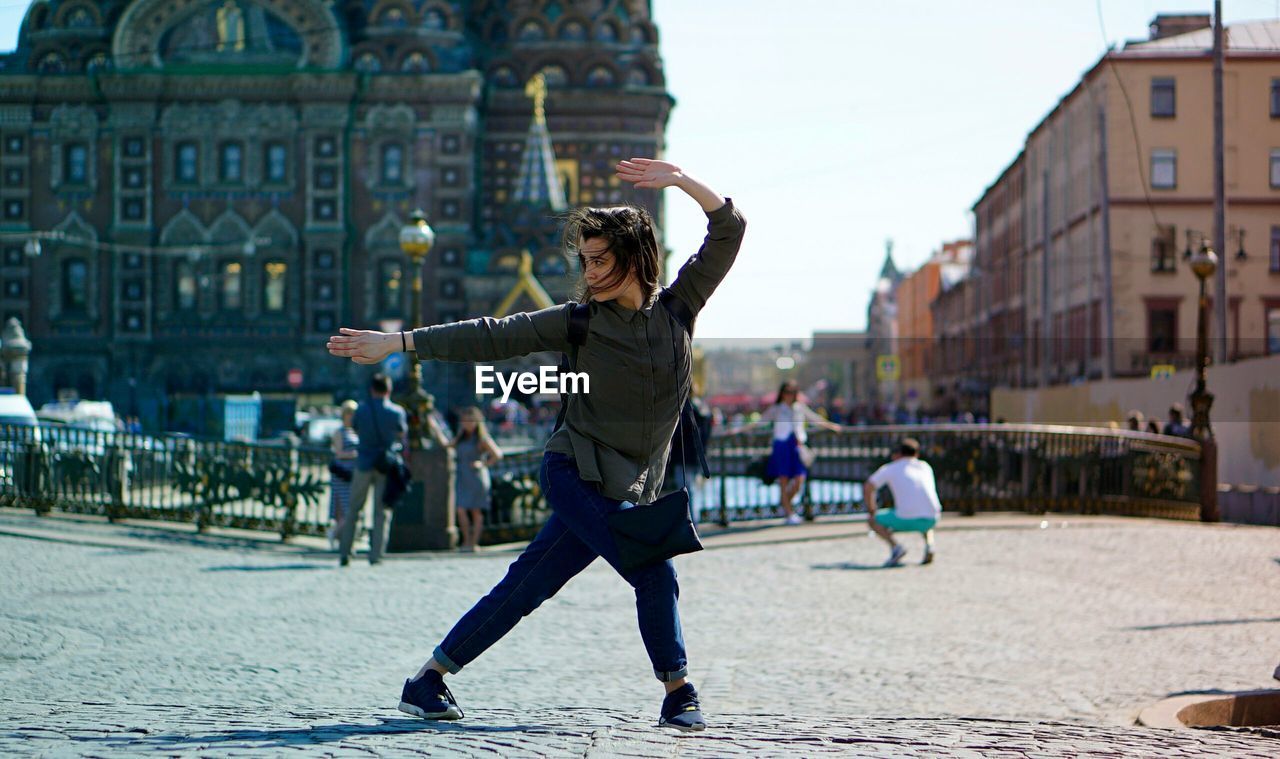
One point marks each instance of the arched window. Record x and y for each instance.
(416, 63)
(600, 76)
(186, 163)
(81, 18)
(231, 290)
(390, 279)
(231, 162)
(52, 63)
(504, 76)
(573, 31)
(75, 168)
(275, 161)
(531, 31)
(393, 17)
(434, 20)
(638, 77)
(392, 163)
(98, 62)
(607, 32)
(368, 63)
(184, 282)
(555, 75)
(75, 286)
(273, 288)
(639, 35)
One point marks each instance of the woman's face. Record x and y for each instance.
(469, 423)
(788, 395)
(597, 267)
(347, 416)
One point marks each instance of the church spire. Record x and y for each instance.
(889, 271)
(539, 182)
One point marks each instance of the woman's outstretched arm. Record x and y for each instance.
(702, 273)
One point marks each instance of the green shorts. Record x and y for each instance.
(889, 519)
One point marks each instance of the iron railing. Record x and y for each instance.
(1035, 468)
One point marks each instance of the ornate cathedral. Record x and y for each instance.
(197, 192)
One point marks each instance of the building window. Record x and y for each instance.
(14, 176)
(273, 288)
(1275, 250)
(1163, 253)
(1162, 327)
(75, 285)
(450, 177)
(449, 288)
(14, 209)
(326, 147)
(133, 290)
(531, 31)
(324, 291)
(185, 286)
(275, 168)
(231, 162)
(324, 259)
(1163, 98)
(1272, 314)
(368, 63)
(15, 144)
(326, 209)
(13, 256)
(555, 75)
(1164, 169)
(132, 209)
(326, 177)
(186, 163)
(134, 177)
(133, 147)
(450, 257)
(450, 209)
(323, 322)
(13, 288)
(1275, 169)
(415, 63)
(75, 167)
(392, 163)
(434, 20)
(132, 321)
(600, 76)
(390, 278)
(232, 288)
(1275, 98)
(451, 144)
(132, 261)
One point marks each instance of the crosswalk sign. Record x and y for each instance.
(887, 368)
(1163, 371)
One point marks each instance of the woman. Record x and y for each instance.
(343, 443)
(788, 416)
(476, 453)
(614, 444)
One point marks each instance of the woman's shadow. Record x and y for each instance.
(855, 567)
(297, 737)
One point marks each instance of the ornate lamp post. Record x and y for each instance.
(1204, 264)
(14, 354)
(425, 519)
(416, 239)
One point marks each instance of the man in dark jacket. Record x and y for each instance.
(382, 427)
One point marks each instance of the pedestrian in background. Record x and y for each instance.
(1177, 424)
(381, 427)
(1135, 420)
(787, 458)
(343, 443)
(916, 507)
(476, 452)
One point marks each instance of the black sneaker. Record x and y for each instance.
(680, 709)
(428, 697)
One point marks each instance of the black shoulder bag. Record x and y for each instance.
(654, 532)
(391, 464)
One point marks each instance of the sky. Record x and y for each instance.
(838, 125)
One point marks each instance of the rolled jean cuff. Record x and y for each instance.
(445, 661)
(666, 677)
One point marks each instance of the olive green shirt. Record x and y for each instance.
(619, 433)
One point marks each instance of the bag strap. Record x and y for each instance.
(579, 322)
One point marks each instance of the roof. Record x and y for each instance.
(1243, 36)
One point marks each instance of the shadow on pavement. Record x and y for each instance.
(267, 567)
(295, 737)
(1207, 623)
(850, 566)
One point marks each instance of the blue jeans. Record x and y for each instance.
(572, 538)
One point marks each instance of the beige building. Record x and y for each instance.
(1116, 184)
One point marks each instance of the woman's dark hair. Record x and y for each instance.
(785, 387)
(630, 233)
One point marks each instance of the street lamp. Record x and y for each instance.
(416, 239)
(1204, 264)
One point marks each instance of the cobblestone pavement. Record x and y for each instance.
(119, 647)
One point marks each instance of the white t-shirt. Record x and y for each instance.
(915, 493)
(789, 420)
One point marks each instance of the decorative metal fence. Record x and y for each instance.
(1003, 467)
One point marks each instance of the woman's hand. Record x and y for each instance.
(649, 174)
(363, 346)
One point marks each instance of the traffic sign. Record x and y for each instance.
(1163, 371)
(295, 378)
(394, 366)
(887, 368)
